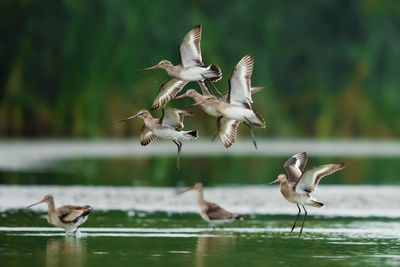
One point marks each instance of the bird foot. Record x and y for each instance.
(78, 233)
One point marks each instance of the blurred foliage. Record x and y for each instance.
(330, 68)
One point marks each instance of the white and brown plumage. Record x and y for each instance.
(211, 212)
(169, 127)
(66, 217)
(190, 68)
(298, 185)
(234, 107)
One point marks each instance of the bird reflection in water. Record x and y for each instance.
(66, 251)
(216, 245)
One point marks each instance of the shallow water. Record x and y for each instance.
(119, 238)
(156, 227)
(142, 220)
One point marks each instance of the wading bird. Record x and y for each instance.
(211, 212)
(169, 127)
(298, 185)
(235, 107)
(66, 217)
(190, 69)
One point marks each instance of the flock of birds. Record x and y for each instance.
(231, 109)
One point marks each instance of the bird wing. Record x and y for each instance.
(240, 83)
(68, 214)
(309, 181)
(167, 91)
(146, 136)
(227, 130)
(295, 166)
(173, 117)
(190, 48)
(224, 96)
(215, 212)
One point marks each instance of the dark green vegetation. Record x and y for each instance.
(161, 171)
(330, 68)
(249, 243)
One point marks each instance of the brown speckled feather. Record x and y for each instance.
(146, 136)
(215, 212)
(227, 130)
(68, 213)
(168, 90)
(190, 48)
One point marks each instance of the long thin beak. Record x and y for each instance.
(41, 201)
(129, 118)
(187, 189)
(182, 95)
(150, 68)
(274, 181)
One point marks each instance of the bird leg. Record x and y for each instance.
(178, 162)
(250, 125)
(215, 88)
(218, 129)
(214, 136)
(305, 216)
(294, 225)
(203, 87)
(78, 233)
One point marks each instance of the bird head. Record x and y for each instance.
(281, 178)
(190, 93)
(197, 186)
(161, 65)
(141, 114)
(209, 98)
(45, 199)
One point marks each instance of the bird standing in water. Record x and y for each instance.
(169, 127)
(298, 185)
(211, 212)
(236, 106)
(66, 217)
(190, 69)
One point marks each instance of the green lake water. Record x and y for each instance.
(159, 239)
(139, 220)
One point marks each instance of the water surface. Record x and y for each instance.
(159, 239)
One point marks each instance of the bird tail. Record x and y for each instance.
(260, 118)
(255, 89)
(190, 135)
(88, 209)
(317, 204)
(214, 74)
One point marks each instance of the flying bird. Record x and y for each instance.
(235, 106)
(190, 69)
(66, 217)
(211, 212)
(169, 127)
(298, 185)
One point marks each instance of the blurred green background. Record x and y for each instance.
(330, 68)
